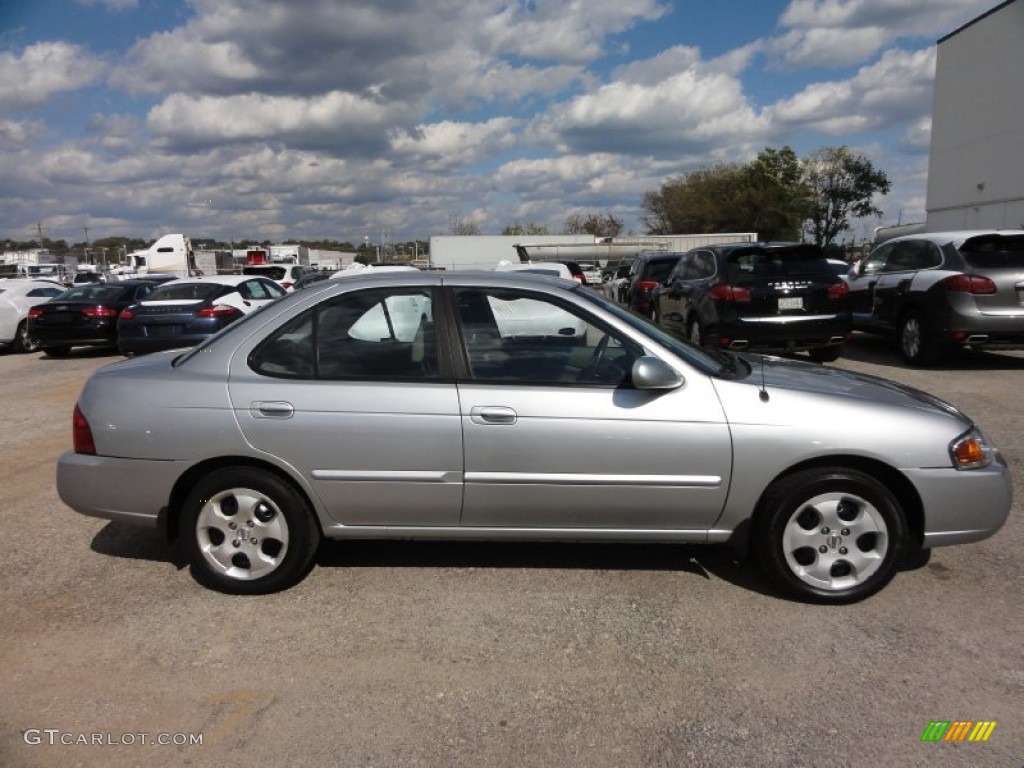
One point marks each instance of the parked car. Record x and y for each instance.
(185, 312)
(85, 315)
(615, 283)
(840, 267)
(647, 271)
(285, 275)
(17, 297)
(757, 296)
(591, 272)
(940, 291)
(318, 417)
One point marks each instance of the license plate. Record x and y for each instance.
(161, 330)
(791, 303)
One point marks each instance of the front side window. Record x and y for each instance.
(519, 337)
(373, 334)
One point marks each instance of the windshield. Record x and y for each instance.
(709, 361)
(93, 292)
(185, 292)
(274, 273)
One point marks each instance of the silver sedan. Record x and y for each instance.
(405, 406)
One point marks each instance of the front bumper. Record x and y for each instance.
(132, 491)
(963, 505)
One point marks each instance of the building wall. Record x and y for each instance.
(976, 166)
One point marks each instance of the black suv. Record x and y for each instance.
(757, 296)
(647, 272)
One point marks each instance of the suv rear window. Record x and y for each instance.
(762, 263)
(658, 270)
(994, 251)
(274, 273)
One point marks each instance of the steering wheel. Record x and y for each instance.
(590, 370)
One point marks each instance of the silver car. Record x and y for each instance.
(400, 406)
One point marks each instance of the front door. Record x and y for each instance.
(556, 438)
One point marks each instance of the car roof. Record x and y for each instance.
(18, 282)
(216, 279)
(955, 236)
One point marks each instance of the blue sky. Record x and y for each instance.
(335, 118)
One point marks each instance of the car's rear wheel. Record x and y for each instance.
(825, 354)
(57, 351)
(917, 345)
(23, 340)
(696, 333)
(830, 535)
(248, 532)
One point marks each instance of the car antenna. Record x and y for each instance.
(763, 394)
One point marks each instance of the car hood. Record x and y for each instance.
(782, 374)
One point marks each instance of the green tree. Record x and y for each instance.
(596, 224)
(841, 186)
(527, 228)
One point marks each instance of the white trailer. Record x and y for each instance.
(170, 254)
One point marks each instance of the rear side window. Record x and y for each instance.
(768, 263)
(994, 252)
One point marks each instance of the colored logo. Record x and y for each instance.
(958, 730)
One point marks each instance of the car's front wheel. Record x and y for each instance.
(830, 534)
(23, 340)
(249, 532)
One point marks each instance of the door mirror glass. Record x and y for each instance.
(653, 373)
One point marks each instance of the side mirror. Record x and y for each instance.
(653, 373)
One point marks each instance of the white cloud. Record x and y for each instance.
(44, 70)
(111, 5)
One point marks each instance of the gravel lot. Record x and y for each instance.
(395, 654)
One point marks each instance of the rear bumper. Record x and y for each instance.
(142, 344)
(782, 332)
(83, 337)
(132, 491)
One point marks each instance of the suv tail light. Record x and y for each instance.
(81, 433)
(975, 284)
(99, 312)
(838, 290)
(287, 286)
(127, 314)
(732, 294)
(647, 285)
(581, 277)
(221, 310)
(35, 312)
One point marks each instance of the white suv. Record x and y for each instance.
(285, 275)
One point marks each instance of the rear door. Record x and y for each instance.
(906, 259)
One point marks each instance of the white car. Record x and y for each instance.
(285, 275)
(17, 297)
(355, 269)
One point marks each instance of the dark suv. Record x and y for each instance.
(758, 296)
(647, 272)
(942, 290)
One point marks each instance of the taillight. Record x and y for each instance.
(733, 294)
(35, 312)
(647, 285)
(287, 286)
(838, 291)
(975, 284)
(581, 278)
(221, 310)
(81, 433)
(127, 314)
(99, 312)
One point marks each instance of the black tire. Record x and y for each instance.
(695, 333)
(276, 532)
(916, 341)
(825, 354)
(850, 515)
(57, 351)
(23, 342)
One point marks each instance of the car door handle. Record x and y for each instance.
(272, 409)
(492, 414)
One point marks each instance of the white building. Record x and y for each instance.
(976, 166)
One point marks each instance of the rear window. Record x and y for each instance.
(274, 273)
(97, 292)
(658, 270)
(185, 292)
(994, 251)
(762, 263)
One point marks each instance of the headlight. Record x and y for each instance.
(971, 450)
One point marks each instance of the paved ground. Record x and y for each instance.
(477, 655)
